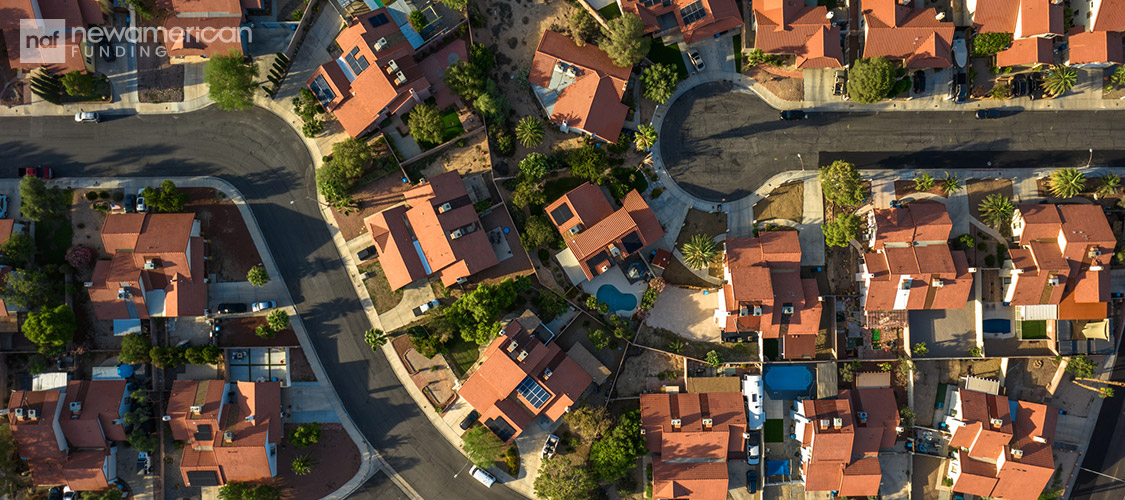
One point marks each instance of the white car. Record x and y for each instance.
(262, 306)
(696, 60)
(141, 207)
(426, 307)
(3, 206)
(87, 117)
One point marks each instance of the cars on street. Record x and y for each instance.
(1019, 86)
(3, 206)
(263, 306)
(988, 114)
(469, 420)
(483, 476)
(752, 480)
(420, 310)
(550, 445)
(232, 307)
(87, 117)
(919, 81)
(141, 206)
(696, 60)
(753, 450)
(40, 172)
(793, 114)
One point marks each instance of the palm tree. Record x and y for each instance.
(645, 137)
(700, 251)
(1060, 79)
(303, 465)
(996, 210)
(530, 131)
(1110, 184)
(924, 182)
(648, 160)
(375, 338)
(950, 184)
(1067, 182)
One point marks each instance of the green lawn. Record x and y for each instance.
(774, 430)
(610, 11)
(379, 288)
(102, 92)
(668, 54)
(738, 53)
(450, 124)
(554, 189)
(771, 348)
(462, 354)
(1034, 330)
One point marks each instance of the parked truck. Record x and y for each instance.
(40, 172)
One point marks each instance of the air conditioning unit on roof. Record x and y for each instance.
(456, 233)
(1017, 453)
(380, 44)
(400, 78)
(196, 409)
(996, 422)
(33, 413)
(757, 310)
(936, 283)
(392, 66)
(787, 310)
(743, 311)
(1054, 281)
(445, 207)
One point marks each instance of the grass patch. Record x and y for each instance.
(451, 125)
(102, 92)
(774, 430)
(623, 180)
(52, 239)
(738, 53)
(379, 288)
(1034, 330)
(462, 354)
(668, 54)
(610, 11)
(554, 189)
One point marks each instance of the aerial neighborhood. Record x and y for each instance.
(562, 250)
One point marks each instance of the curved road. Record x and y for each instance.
(267, 161)
(721, 145)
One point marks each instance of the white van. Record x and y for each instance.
(483, 476)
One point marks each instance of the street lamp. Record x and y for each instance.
(1091, 160)
(802, 162)
(459, 471)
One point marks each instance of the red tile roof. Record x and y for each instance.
(1085, 231)
(692, 481)
(189, 24)
(1110, 16)
(6, 226)
(914, 35)
(602, 228)
(592, 101)
(1027, 51)
(882, 413)
(74, 14)
(93, 424)
(1096, 47)
(691, 457)
(720, 16)
(861, 478)
(1022, 18)
(786, 28)
(844, 458)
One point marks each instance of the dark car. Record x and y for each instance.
(793, 114)
(752, 480)
(232, 307)
(366, 254)
(469, 419)
(959, 88)
(1035, 85)
(1019, 86)
(54, 493)
(130, 203)
(986, 114)
(919, 81)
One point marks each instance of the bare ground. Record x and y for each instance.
(784, 202)
(700, 222)
(979, 189)
(640, 371)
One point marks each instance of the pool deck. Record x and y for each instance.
(616, 277)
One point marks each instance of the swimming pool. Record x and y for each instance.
(617, 301)
(997, 325)
(786, 382)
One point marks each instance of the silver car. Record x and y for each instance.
(87, 117)
(696, 60)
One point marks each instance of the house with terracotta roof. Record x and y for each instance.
(1003, 447)
(764, 293)
(66, 435)
(436, 232)
(597, 236)
(691, 437)
(1061, 269)
(910, 265)
(805, 32)
(379, 74)
(579, 87)
(230, 430)
(197, 29)
(78, 14)
(1097, 43)
(917, 37)
(687, 21)
(1032, 23)
(520, 380)
(156, 269)
(841, 439)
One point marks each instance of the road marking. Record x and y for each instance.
(1117, 479)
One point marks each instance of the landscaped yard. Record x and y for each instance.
(52, 238)
(233, 252)
(979, 189)
(462, 354)
(700, 222)
(774, 430)
(382, 296)
(1034, 330)
(668, 54)
(785, 202)
(102, 92)
(451, 124)
(555, 188)
(610, 11)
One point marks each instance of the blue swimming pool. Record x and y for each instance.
(617, 301)
(999, 325)
(786, 382)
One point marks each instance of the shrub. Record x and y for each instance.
(306, 435)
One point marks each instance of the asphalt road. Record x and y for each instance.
(264, 159)
(1106, 454)
(721, 145)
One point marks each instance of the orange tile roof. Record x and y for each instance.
(6, 226)
(1023, 18)
(1096, 47)
(845, 458)
(602, 228)
(593, 101)
(720, 16)
(882, 413)
(1027, 51)
(785, 28)
(692, 481)
(914, 35)
(1110, 16)
(1032, 433)
(101, 405)
(74, 14)
(861, 478)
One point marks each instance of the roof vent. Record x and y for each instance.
(825, 423)
(150, 264)
(757, 310)
(996, 422)
(676, 422)
(380, 44)
(392, 66)
(195, 409)
(76, 406)
(743, 311)
(400, 78)
(614, 251)
(122, 293)
(862, 416)
(837, 422)
(571, 72)
(866, 276)
(787, 310)
(708, 423)
(1017, 453)
(642, 431)
(940, 16)
(547, 373)
(33, 414)
(1095, 268)
(936, 283)
(445, 207)
(522, 356)
(512, 345)
(577, 228)
(228, 437)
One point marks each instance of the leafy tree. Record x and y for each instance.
(303, 465)
(583, 28)
(166, 357)
(135, 348)
(645, 137)
(194, 355)
(1109, 184)
(1060, 79)
(425, 123)
(375, 338)
(987, 44)
(28, 288)
(1066, 182)
(528, 192)
(258, 276)
(39, 203)
(841, 183)
(713, 359)
(588, 162)
(465, 80)
(212, 355)
(265, 331)
(142, 440)
(168, 199)
(278, 319)
(700, 251)
(530, 131)
(920, 349)
(906, 415)
(110, 494)
(80, 257)
(842, 230)
(950, 184)
(51, 328)
(996, 209)
(1081, 366)
(230, 81)
(615, 455)
(538, 231)
(353, 158)
(334, 186)
(871, 79)
(12, 478)
(18, 250)
(659, 81)
(1118, 77)
(78, 83)
(417, 20)
(306, 435)
(847, 371)
(475, 314)
(481, 57)
(924, 182)
(599, 338)
(975, 352)
(491, 104)
(561, 479)
(482, 446)
(248, 491)
(457, 5)
(625, 41)
(534, 166)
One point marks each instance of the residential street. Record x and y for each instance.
(1107, 450)
(268, 163)
(722, 145)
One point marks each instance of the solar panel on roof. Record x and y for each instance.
(692, 13)
(357, 64)
(379, 20)
(322, 91)
(561, 214)
(202, 478)
(533, 392)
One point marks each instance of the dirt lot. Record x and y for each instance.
(158, 80)
(700, 222)
(641, 369)
(679, 275)
(789, 89)
(337, 460)
(232, 249)
(907, 188)
(659, 338)
(1027, 379)
(785, 202)
(87, 223)
(471, 158)
(979, 189)
(842, 264)
(299, 369)
(382, 296)
(239, 332)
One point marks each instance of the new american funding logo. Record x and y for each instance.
(49, 41)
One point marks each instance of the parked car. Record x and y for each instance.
(130, 203)
(141, 206)
(753, 450)
(839, 87)
(420, 310)
(960, 52)
(366, 254)
(232, 307)
(696, 60)
(1035, 85)
(793, 114)
(1019, 86)
(469, 420)
(3, 206)
(483, 476)
(87, 117)
(752, 480)
(69, 494)
(959, 88)
(40, 172)
(550, 445)
(987, 114)
(919, 81)
(262, 306)
(54, 493)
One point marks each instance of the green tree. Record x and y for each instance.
(528, 192)
(51, 328)
(258, 276)
(303, 465)
(135, 349)
(1060, 79)
(907, 416)
(588, 162)
(538, 231)
(78, 83)
(168, 199)
(465, 80)
(614, 455)
(599, 338)
(842, 230)
(996, 210)
(1066, 182)
(306, 105)
(920, 349)
(1081, 366)
(194, 355)
(700, 251)
(375, 338)
(18, 250)
(871, 79)
(166, 357)
(924, 182)
(212, 355)
(590, 422)
(530, 131)
(110, 494)
(334, 186)
(1108, 185)
(481, 57)
(417, 20)
(353, 158)
(1118, 77)
(625, 41)
(142, 440)
(143, 8)
(482, 446)
(583, 28)
(39, 203)
(278, 319)
(987, 44)
(457, 5)
(561, 479)
(12, 478)
(28, 288)
(475, 314)
(534, 167)
(265, 331)
(306, 435)
(713, 359)
(950, 184)
(659, 82)
(645, 137)
(491, 104)
(248, 491)
(841, 184)
(230, 81)
(425, 123)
